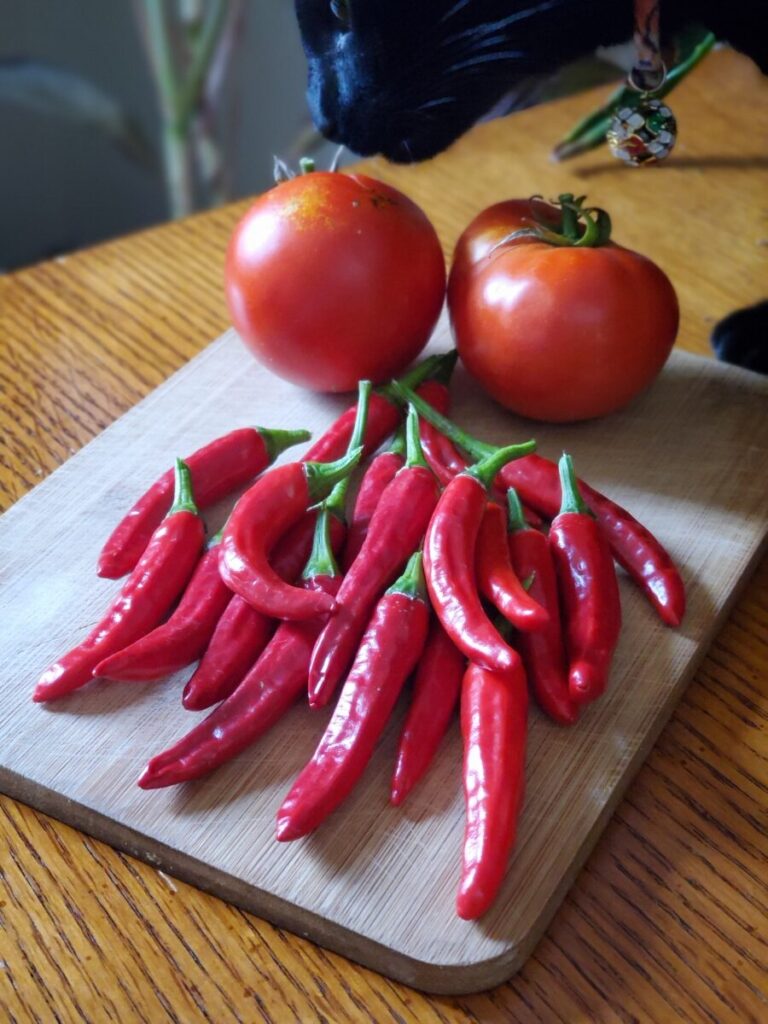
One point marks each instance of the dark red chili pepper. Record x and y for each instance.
(270, 507)
(494, 721)
(388, 653)
(384, 412)
(543, 652)
(269, 689)
(184, 636)
(396, 528)
(589, 590)
(161, 575)
(496, 578)
(436, 688)
(442, 457)
(634, 547)
(449, 562)
(218, 469)
(377, 478)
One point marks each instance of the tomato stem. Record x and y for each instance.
(583, 227)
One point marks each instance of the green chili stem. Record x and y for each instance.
(477, 449)
(323, 476)
(572, 500)
(276, 441)
(438, 366)
(515, 515)
(414, 456)
(322, 561)
(183, 496)
(412, 582)
(398, 445)
(337, 499)
(486, 469)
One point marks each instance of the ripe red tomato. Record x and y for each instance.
(332, 278)
(557, 333)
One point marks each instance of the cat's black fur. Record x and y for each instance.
(405, 78)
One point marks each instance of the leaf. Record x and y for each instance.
(55, 92)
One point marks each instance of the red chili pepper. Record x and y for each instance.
(496, 578)
(269, 689)
(449, 562)
(543, 652)
(383, 414)
(242, 633)
(396, 528)
(377, 478)
(589, 590)
(183, 638)
(161, 575)
(388, 653)
(634, 547)
(442, 457)
(494, 722)
(218, 469)
(436, 688)
(270, 507)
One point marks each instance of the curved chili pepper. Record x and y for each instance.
(396, 528)
(384, 412)
(436, 688)
(388, 653)
(494, 722)
(496, 578)
(273, 504)
(217, 469)
(183, 638)
(589, 589)
(161, 575)
(269, 689)
(442, 456)
(543, 652)
(449, 561)
(634, 547)
(242, 633)
(377, 478)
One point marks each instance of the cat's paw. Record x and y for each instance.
(742, 338)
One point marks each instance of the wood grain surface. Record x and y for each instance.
(666, 922)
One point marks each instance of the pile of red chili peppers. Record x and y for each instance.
(444, 572)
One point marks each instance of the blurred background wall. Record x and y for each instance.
(65, 182)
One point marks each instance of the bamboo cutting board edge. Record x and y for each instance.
(448, 978)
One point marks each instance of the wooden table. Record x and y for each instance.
(667, 919)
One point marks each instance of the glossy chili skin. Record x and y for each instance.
(449, 563)
(590, 597)
(443, 457)
(378, 476)
(388, 653)
(242, 633)
(266, 693)
(396, 529)
(436, 688)
(633, 546)
(218, 469)
(146, 597)
(183, 637)
(543, 652)
(271, 506)
(494, 723)
(496, 578)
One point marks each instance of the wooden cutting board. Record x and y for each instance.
(690, 459)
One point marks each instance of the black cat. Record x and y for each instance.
(405, 78)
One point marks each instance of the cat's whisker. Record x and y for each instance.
(502, 23)
(442, 101)
(454, 10)
(485, 58)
